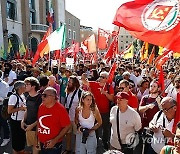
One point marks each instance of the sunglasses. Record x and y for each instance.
(46, 95)
(103, 77)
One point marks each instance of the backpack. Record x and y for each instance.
(4, 111)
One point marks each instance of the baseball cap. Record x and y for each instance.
(122, 95)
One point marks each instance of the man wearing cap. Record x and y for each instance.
(124, 86)
(129, 122)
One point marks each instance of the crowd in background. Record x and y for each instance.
(51, 104)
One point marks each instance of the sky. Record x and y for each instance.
(94, 13)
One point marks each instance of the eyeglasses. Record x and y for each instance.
(103, 77)
(46, 95)
(177, 139)
(166, 110)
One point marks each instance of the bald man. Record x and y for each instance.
(162, 125)
(52, 83)
(53, 122)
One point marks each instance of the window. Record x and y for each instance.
(11, 9)
(74, 35)
(121, 47)
(69, 22)
(131, 36)
(121, 36)
(126, 36)
(32, 12)
(126, 41)
(69, 33)
(121, 41)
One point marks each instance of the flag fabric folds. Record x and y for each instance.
(90, 43)
(163, 58)
(111, 73)
(151, 57)
(129, 53)
(9, 46)
(103, 38)
(54, 41)
(112, 48)
(22, 49)
(156, 22)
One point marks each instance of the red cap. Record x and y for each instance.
(122, 95)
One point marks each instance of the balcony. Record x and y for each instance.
(40, 28)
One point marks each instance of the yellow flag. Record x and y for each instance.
(22, 49)
(160, 50)
(129, 53)
(2, 51)
(146, 50)
(9, 46)
(176, 55)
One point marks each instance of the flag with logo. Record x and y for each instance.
(9, 46)
(103, 38)
(153, 21)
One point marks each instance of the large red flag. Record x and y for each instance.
(112, 49)
(57, 54)
(156, 22)
(103, 38)
(111, 73)
(90, 43)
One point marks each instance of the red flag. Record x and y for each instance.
(27, 53)
(156, 22)
(163, 59)
(103, 38)
(57, 54)
(112, 49)
(18, 55)
(152, 55)
(161, 79)
(50, 16)
(111, 73)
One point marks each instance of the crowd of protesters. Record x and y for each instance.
(52, 104)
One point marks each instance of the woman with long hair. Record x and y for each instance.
(86, 115)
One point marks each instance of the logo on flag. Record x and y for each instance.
(161, 15)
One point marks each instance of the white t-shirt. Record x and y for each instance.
(12, 101)
(12, 76)
(74, 105)
(129, 122)
(158, 138)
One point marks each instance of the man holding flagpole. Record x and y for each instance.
(103, 95)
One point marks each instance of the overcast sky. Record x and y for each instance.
(94, 13)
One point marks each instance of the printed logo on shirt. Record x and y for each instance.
(43, 129)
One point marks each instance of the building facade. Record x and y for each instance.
(72, 28)
(26, 21)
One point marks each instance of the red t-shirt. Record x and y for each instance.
(101, 100)
(133, 100)
(149, 114)
(51, 121)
